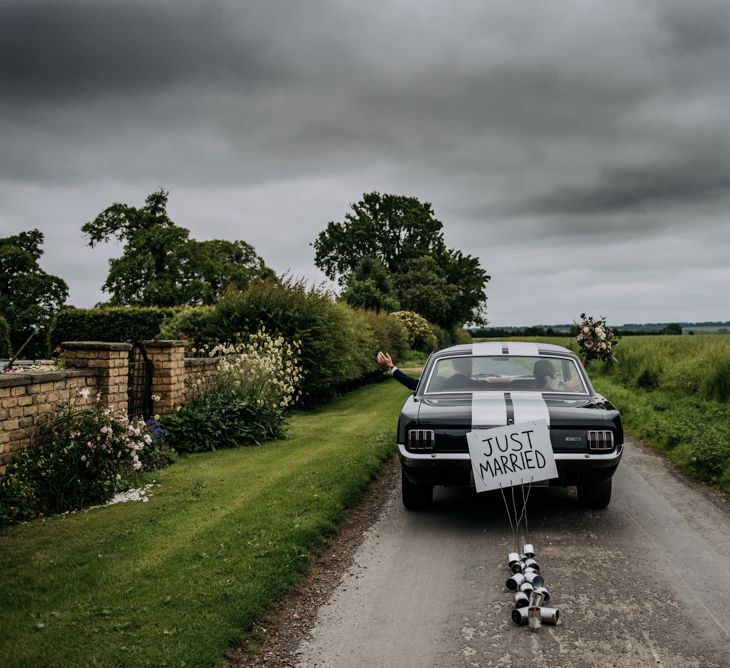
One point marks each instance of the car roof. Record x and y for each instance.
(503, 348)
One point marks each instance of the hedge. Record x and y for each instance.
(108, 323)
(5, 348)
(339, 344)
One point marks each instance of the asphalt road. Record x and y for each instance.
(645, 582)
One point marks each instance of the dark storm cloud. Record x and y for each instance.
(56, 52)
(537, 130)
(620, 190)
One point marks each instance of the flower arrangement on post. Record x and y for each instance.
(595, 339)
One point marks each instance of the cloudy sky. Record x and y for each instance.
(579, 148)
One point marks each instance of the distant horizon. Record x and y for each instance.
(683, 324)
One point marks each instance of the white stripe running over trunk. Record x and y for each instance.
(530, 406)
(486, 348)
(488, 409)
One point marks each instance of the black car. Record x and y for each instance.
(491, 384)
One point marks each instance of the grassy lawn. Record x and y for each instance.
(175, 581)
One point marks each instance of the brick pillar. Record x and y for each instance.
(111, 362)
(168, 376)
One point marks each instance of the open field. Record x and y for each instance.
(175, 581)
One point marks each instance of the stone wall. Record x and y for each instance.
(199, 370)
(25, 397)
(103, 368)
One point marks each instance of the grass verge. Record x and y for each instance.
(694, 433)
(175, 581)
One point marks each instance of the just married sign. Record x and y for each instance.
(512, 455)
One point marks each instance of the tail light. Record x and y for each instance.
(600, 440)
(421, 439)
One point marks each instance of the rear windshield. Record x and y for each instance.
(505, 373)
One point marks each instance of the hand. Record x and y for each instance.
(384, 360)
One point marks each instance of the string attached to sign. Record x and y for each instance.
(518, 518)
(503, 458)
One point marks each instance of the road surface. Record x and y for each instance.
(645, 582)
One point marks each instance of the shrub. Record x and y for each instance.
(244, 402)
(389, 332)
(338, 343)
(460, 335)
(109, 323)
(197, 325)
(420, 333)
(5, 349)
(79, 456)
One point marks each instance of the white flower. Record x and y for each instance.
(85, 392)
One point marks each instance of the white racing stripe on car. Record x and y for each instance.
(486, 348)
(522, 348)
(529, 406)
(488, 409)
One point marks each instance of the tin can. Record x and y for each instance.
(536, 599)
(535, 579)
(515, 581)
(548, 616)
(534, 619)
(526, 588)
(528, 550)
(531, 563)
(521, 600)
(544, 592)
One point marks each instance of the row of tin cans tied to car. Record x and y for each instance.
(529, 590)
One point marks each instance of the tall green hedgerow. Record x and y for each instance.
(109, 323)
(198, 325)
(460, 335)
(390, 334)
(299, 313)
(338, 343)
(5, 349)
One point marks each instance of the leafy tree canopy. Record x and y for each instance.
(370, 286)
(28, 295)
(161, 265)
(403, 234)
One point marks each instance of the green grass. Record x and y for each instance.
(692, 432)
(177, 580)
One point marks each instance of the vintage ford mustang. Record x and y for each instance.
(490, 384)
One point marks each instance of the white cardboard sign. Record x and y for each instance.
(512, 455)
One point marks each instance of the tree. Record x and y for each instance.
(29, 297)
(370, 286)
(397, 231)
(673, 328)
(423, 288)
(161, 265)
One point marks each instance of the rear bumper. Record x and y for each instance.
(454, 468)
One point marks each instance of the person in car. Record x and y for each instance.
(546, 378)
(387, 363)
(460, 380)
